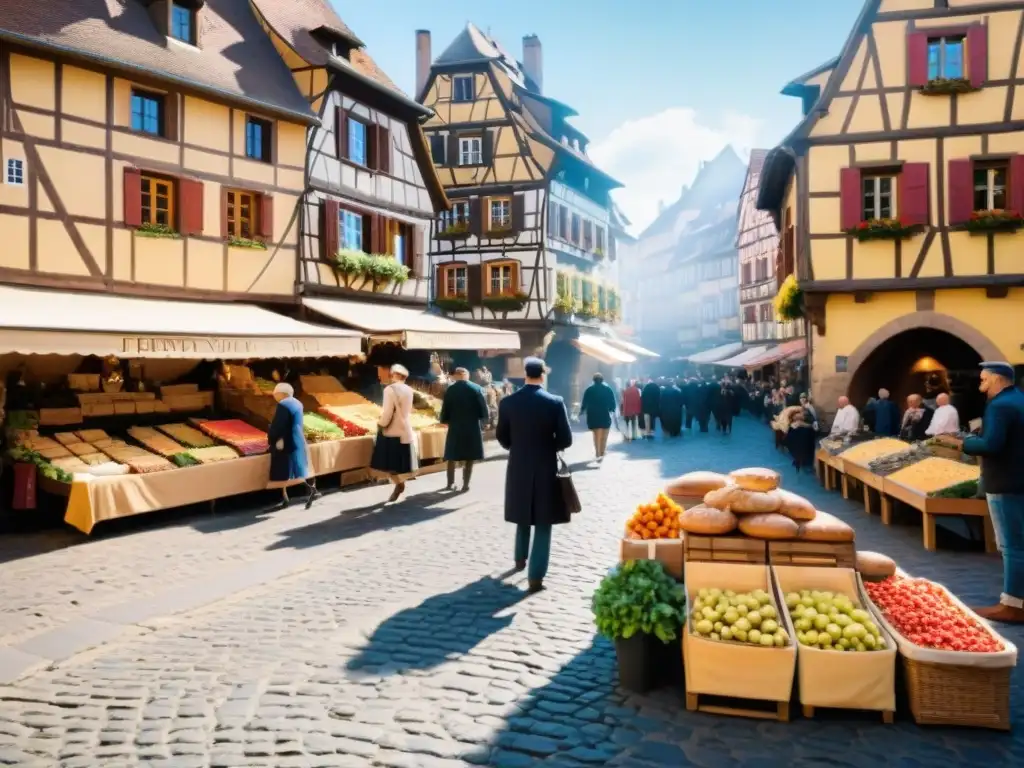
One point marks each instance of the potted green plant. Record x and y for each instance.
(995, 220)
(641, 609)
(382, 270)
(506, 302)
(456, 303)
(350, 264)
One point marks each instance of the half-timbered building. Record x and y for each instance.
(898, 198)
(149, 148)
(372, 188)
(530, 222)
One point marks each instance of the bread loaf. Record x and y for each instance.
(755, 479)
(796, 507)
(826, 527)
(695, 484)
(744, 502)
(707, 521)
(768, 526)
(874, 566)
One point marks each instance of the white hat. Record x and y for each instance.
(401, 370)
(285, 389)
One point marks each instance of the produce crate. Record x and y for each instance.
(724, 549)
(757, 680)
(841, 680)
(821, 554)
(956, 687)
(94, 410)
(84, 382)
(59, 417)
(197, 401)
(669, 552)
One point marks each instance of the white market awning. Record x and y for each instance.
(737, 361)
(634, 349)
(45, 322)
(716, 353)
(413, 328)
(600, 349)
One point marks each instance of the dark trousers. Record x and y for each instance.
(467, 472)
(539, 555)
(726, 423)
(702, 419)
(689, 418)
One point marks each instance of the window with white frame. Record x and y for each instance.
(15, 171)
(455, 281)
(457, 219)
(500, 213)
(501, 279)
(990, 187)
(470, 150)
(351, 230)
(879, 195)
(462, 88)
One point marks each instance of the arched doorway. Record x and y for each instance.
(924, 361)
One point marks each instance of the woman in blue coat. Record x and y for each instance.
(599, 404)
(289, 464)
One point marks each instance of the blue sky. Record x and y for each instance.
(659, 84)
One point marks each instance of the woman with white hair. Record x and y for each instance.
(395, 450)
(288, 462)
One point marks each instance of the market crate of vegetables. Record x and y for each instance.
(957, 667)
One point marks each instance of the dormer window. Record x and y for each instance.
(462, 89)
(946, 58)
(183, 23)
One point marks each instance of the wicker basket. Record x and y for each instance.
(944, 694)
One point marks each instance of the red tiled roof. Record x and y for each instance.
(235, 60)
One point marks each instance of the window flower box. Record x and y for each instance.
(458, 230)
(566, 304)
(506, 302)
(245, 242)
(377, 269)
(944, 86)
(590, 310)
(883, 229)
(160, 231)
(458, 303)
(996, 220)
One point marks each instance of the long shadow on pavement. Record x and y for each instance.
(441, 628)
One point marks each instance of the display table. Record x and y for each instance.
(930, 506)
(108, 498)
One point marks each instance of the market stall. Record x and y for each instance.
(933, 477)
(776, 606)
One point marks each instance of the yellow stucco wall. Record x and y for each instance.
(70, 172)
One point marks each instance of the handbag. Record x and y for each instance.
(570, 498)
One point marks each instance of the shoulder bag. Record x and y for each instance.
(570, 498)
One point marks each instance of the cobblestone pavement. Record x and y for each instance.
(411, 648)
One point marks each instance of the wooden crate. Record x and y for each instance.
(178, 389)
(59, 417)
(724, 549)
(821, 554)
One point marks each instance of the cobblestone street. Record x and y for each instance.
(355, 635)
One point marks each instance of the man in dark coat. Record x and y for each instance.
(692, 393)
(1001, 448)
(671, 409)
(887, 415)
(533, 427)
(725, 405)
(705, 401)
(462, 409)
(650, 402)
(598, 405)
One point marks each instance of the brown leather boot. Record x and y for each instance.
(1005, 614)
(535, 586)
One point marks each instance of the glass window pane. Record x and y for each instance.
(980, 178)
(954, 59)
(999, 177)
(885, 185)
(981, 198)
(999, 198)
(934, 59)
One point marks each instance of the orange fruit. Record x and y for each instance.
(652, 526)
(659, 515)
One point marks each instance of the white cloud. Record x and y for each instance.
(654, 156)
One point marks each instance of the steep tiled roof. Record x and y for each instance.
(296, 21)
(236, 60)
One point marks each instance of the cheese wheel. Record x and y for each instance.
(695, 484)
(826, 527)
(768, 526)
(707, 521)
(794, 506)
(744, 502)
(756, 479)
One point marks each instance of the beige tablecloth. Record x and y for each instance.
(431, 442)
(107, 498)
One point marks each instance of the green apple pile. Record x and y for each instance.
(831, 621)
(747, 617)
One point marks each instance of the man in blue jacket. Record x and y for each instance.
(1001, 448)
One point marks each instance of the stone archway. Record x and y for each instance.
(984, 346)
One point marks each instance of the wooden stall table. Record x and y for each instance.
(931, 506)
(829, 467)
(107, 498)
(870, 483)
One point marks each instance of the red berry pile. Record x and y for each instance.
(925, 615)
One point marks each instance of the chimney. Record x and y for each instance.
(533, 61)
(423, 60)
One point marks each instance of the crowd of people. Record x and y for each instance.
(920, 420)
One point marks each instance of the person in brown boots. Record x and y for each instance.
(463, 408)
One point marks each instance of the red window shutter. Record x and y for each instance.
(487, 147)
(266, 222)
(1015, 201)
(850, 208)
(977, 54)
(341, 132)
(190, 207)
(961, 191)
(383, 149)
(912, 194)
(132, 197)
(917, 59)
(476, 217)
(518, 213)
(329, 240)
